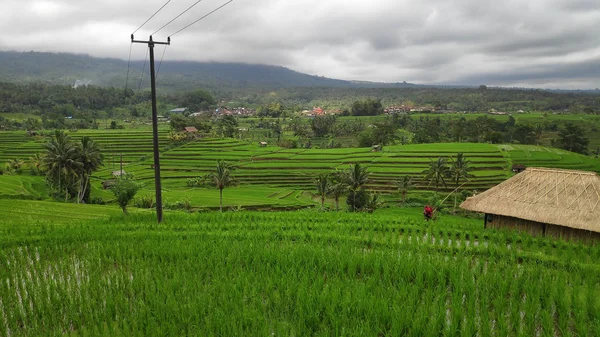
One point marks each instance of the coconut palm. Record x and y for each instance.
(437, 172)
(356, 178)
(337, 188)
(91, 159)
(14, 165)
(459, 171)
(35, 163)
(322, 185)
(222, 178)
(62, 162)
(404, 184)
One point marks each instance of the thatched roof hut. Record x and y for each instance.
(564, 198)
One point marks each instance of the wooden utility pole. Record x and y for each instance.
(157, 184)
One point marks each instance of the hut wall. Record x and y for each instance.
(571, 234)
(541, 229)
(527, 226)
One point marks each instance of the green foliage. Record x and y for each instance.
(368, 107)
(197, 100)
(437, 172)
(227, 126)
(571, 139)
(322, 125)
(322, 185)
(125, 190)
(222, 178)
(357, 200)
(404, 184)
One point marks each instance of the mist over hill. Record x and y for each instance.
(72, 69)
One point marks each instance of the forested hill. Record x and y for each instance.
(69, 69)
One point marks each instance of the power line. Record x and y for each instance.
(142, 74)
(175, 18)
(216, 9)
(161, 59)
(128, 64)
(145, 22)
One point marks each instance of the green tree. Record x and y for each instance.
(437, 172)
(197, 100)
(322, 185)
(14, 165)
(35, 164)
(404, 184)
(571, 138)
(356, 177)
(459, 170)
(227, 126)
(337, 187)
(91, 159)
(374, 201)
(125, 190)
(222, 178)
(62, 164)
(322, 125)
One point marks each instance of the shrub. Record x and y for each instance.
(145, 201)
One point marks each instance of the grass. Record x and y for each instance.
(293, 274)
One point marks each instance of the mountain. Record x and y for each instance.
(71, 69)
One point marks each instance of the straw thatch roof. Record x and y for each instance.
(559, 197)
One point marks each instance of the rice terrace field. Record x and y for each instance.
(88, 270)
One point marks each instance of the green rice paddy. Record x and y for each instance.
(300, 273)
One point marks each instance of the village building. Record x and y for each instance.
(190, 129)
(118, 173)
(178, 110)
(546, 202)
(263, 144)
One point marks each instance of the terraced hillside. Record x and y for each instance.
(274, 176)
(296, 168)
(132, 144)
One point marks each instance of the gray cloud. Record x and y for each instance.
(542, 43)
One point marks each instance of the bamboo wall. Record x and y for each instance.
(541, 229)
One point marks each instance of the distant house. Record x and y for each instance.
(178, 110)
(518, 168)
(191, 129)
(263, 144)
(376, 148)
(547, 202)
(118, 173)
(108, 184)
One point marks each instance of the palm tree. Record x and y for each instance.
(322, 185)
(337, 187)
(356, 177)
(437, 172)
(222, 178)
(14, 165)
(91, 159)
(459, 170)
(61, 162)
(404, 184)
(35, 163)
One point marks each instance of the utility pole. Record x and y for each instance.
(157, 184)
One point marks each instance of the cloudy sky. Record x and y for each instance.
(534, 43)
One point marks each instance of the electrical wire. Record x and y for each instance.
(143, 70)
(160, 64)
(175, 18)
(145, 22)
(128, 64)
(214, 10)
